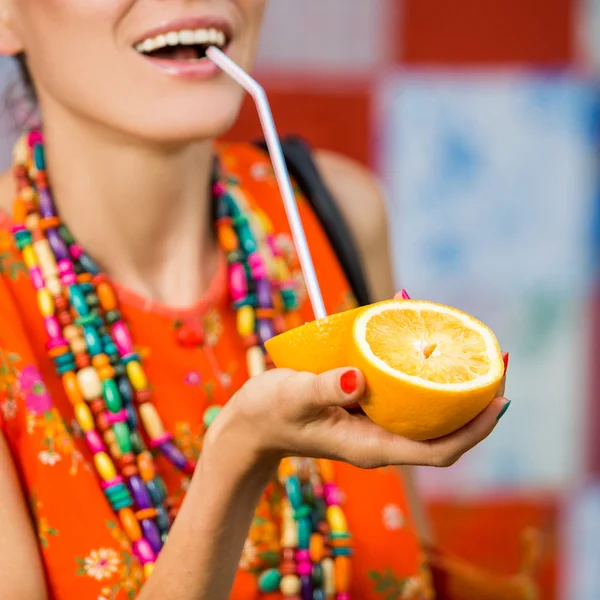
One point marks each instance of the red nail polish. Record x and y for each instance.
(505, 357)
(405, 295)
(349, 381)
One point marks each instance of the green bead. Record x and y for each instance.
(304, 531)
(86, 288)
(78, 300)
(247, 241)
(317, 575)
(290, 300)
(118, 368)
(345, 535)
(249, 300)
(235, 256)
(62, 369)
(136, 442)
(38, 157)
(92, 339)
(302, 513)
(210, 415)
(156, 490)
(114, 402)
(122, 434)
(122, 503)
(88, 264)
(293, 491)
(92, 299)
(65, 234)
(64, 359)
(269, 581)
(112, 316)
(88, 319)
(234, 209)
(117, 491)
(308, 493)
(23, 239)
(342, 552)
(134, 356)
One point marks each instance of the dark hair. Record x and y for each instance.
(26, 79)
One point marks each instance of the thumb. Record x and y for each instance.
(340, 387)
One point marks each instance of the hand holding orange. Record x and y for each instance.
(430, 369)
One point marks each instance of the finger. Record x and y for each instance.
(447, 450)
(502, 388)
(402, 295)
(340, 387)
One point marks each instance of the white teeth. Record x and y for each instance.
(186, 37)
(201, 36)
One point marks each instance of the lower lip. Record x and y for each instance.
(185, 69)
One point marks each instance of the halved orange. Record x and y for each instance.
(430, 369)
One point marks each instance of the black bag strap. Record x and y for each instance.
(303, 169)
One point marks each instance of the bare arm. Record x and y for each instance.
(362, 203)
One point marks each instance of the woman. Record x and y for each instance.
(127, 162)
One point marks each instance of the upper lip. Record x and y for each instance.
(205, 22)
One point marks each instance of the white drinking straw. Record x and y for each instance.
(281, 173)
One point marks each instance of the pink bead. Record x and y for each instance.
(94, 441)
(114, 481)
(35, 137)
(257, 266)
(118, 417)
(343, 596)
(122, 338)
(302, 555)
(53, 327)
(304, 568)
(237, 281)
(68, 279)
(318, 490)
(56, 343)
(76, 251)
(161, 439)
(65, 266)
(144, 551)
(331, 494)
(273, 245)
(37, 278)
(16, 228)
(218, 189)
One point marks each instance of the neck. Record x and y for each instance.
(144, 214)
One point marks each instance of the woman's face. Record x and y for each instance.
(134, 66)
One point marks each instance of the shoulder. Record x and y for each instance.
(359, 197)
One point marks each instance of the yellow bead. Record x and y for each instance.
(148, 569)
(265, 222)
(84, 416)
(115, 450)
(255, 361)
(151, 420)
(245, 321)
(32, 221)
(283, 271)
(45, 302)
(290, 585)
(336, 519)
(136, 375)
(78, 345)
(328, 576)
(21, 152)
(45, 258)
(29, 257)
(289, 534)
(104, 466)
(89, 383)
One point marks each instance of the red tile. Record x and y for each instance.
(333, 117)
(487, 533)
(462, 32)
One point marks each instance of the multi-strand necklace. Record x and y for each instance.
(91, 347)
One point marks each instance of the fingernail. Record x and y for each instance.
(503, 411)
(505, 357)
(405, 295)
(349, 381)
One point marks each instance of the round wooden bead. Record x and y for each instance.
(336, 519)
(45, 258)
(151, 420)
(130, 524)
(54, 285)
(104, 466)
(269, 581)
(89, 383)
(136, 375)
(290, 585)
(84, 416)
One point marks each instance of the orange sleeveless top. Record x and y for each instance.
(85, 553)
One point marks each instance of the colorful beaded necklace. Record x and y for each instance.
(104, 380)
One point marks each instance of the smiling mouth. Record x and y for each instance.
(187, 45)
